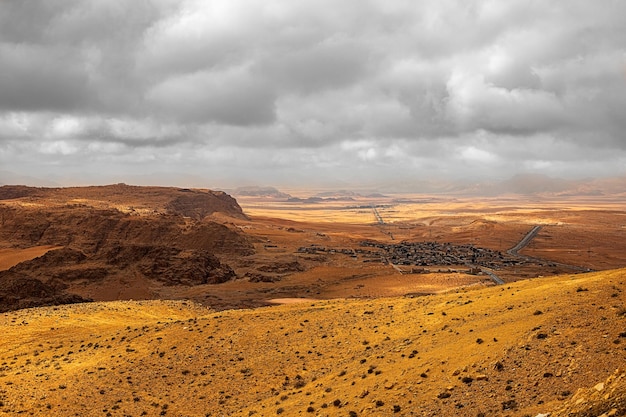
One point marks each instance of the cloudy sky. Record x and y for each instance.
(241, 92)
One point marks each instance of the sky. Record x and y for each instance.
(247, 92)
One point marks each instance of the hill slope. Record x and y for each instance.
(115, 242)
(521, 349)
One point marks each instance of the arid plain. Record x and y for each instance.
(392, 304)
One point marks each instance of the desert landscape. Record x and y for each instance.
(126, 300)
(308, 208)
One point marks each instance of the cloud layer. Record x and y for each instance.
(276, 91)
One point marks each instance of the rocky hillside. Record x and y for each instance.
(110, 234)
(550, 346)
(127, 198)
(91, 229)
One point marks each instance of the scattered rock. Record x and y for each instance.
(509, 405)
(282, 267)
(467, 380)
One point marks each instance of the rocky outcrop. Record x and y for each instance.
(92, 229)
(187, 268)
(605, 399)
(9, 192)
(197, 205)
(18, 291)
(171, 266)
(47, 280)
(215, 238)
(54, 258)
(282, 267)
(169, 239)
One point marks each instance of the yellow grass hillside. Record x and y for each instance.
(520, 349)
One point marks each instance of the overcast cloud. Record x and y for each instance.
(271, 92)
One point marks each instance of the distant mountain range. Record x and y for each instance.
(521, 184)
(272, 192)
(10, 178)
(257, 191)
(537, 184)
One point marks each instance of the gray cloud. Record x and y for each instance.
(234, 97)
(357, 89)
(36, 78)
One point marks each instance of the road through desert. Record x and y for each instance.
(189, 302)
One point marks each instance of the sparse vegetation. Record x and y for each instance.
(400, 355)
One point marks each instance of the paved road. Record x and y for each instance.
(381, 222)
(514, 252)
(496, 279)
(524, 242)
(378, 216)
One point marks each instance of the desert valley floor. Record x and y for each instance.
(129, 301)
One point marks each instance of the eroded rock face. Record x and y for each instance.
(123, 256)
(198, 205)
(54, 258)
(105, 241)
(171, 266)
(282, 267)
(18, 291)
(8, 192)
(606, 399)
(91, 230)
(187, 268)
(46, 280)
(59, 267)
